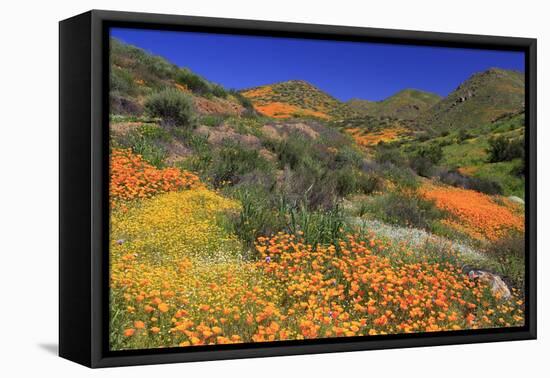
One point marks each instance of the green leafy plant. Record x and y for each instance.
(148, 141)
(172, 106)
(502, 148)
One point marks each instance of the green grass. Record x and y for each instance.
(118, 118)
(471, 153)
(247, 126)
(147, 140)
(211, 120)
(512, 184)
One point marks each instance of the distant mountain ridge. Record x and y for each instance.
(406, 104)
(481, 99)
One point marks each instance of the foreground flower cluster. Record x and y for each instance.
(163, 229)
(477, 214)
(364, 286)
(132, 177)
(178, 279)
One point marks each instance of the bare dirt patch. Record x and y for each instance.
(217, 106)
(123, 128)
(177, 151)
(217, 135)
(283, 130)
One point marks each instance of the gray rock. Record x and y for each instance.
(516, 199)
(497, 284)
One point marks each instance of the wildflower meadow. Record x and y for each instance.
(179, 278)
(293, 210)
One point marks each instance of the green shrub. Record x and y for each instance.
(433, 152)
(363, 208)
(502, 148)
(385, 155)
(309, 172)
(463, 134)
(322, 227)
(265, 212)
(423, 136)
(406, 209)
(293, 151)
(201, 159)
(172, 106)
(346, 181)
(218, 91)
(403, 177)
(369, 183)
(258, 215)
(232, 160)
(350, 180)
(484, 185)
(193, 81)
(199, 163)
(509, 255)
(346, 156)
(152, 64)
(424, 159)
(122, 82)
(310, 183)
(446, 142)
(422, 166)
(518, 169)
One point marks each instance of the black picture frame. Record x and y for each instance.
(84, 205)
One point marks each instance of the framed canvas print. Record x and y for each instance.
(234, 188)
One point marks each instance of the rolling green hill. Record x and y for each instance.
(481, 99)
(407, 104)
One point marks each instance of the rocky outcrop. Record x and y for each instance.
(498, 287)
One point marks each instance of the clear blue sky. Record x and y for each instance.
(344, 69)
